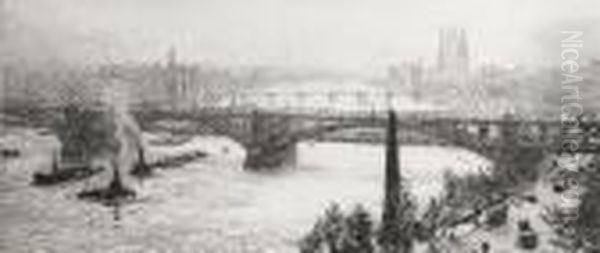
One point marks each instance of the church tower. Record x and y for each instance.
(452, 72)
(3, 20)
(453, 50)
(179, 82)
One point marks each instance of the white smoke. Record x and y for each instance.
(126, 134)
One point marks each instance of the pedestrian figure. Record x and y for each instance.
(485, 247)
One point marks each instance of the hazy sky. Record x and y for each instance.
(347, 34)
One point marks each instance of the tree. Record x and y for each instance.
(431, 221)
(327, 233)
(313, 241)
(359, 232)
(337, 232)
(333, 228)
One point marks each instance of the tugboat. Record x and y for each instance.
(65, 173)
(113, 195)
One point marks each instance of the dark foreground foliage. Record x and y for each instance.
(337, 232)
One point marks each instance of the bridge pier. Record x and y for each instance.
(270, 142)
(266, 157)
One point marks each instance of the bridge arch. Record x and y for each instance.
(417, 134)
(270, 138)
(274, 138)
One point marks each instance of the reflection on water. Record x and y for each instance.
(423, 167)
(211, 205)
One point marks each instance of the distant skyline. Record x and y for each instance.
(334, 34)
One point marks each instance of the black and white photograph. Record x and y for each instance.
(299, 126)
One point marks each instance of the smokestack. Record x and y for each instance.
(128, 134)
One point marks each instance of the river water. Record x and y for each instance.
(211, 205)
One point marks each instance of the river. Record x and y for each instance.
(211, 205)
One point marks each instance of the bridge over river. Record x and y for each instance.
(270, 136)
(269, 133)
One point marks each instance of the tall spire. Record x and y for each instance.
(392, 238)
(442, 50)
(171, 57)
(392, 170)
(4, 20)
(463, 46)
(453, 48)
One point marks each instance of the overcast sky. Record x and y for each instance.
(346, 34)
